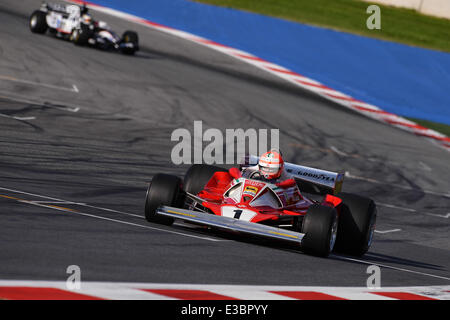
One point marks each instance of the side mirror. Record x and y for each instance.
(235, 173)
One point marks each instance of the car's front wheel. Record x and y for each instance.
(320, 227)
(80, 36)
(166, 190)
(130, 37)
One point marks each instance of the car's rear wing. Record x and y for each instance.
(56, 7)
(310, 180)
(230, 224)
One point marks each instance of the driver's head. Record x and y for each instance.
(271, 164)
(86, 18)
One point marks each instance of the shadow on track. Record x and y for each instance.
(376, 258)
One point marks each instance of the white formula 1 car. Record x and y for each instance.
(74, 23)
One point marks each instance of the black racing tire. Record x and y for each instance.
(198, 176)
(320, 227)
(38, 22)
(80, 36)
(130, 37)
(166, 190)
(357, 222)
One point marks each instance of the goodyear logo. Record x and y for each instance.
(318, 176)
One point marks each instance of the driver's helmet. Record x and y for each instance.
(86, 18)
(271, 164)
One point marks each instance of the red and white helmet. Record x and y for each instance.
(271, 164)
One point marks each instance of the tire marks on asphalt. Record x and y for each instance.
(30, 104)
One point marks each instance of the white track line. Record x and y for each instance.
(58, 202)
(425, 167)
(37, 203)
(114, 220)
(17, 118)
(388, 231)
(114, 211)
(44, 104)
(337, 151)
(391, 206)
(40, 84)
(31, 194)
(40, 103)
(445, 216)
(332, 255)
(441, 194)
(389, 267)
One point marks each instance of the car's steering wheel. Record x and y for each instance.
(256, 175)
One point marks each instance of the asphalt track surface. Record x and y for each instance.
(83, 131)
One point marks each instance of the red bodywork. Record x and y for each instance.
(292, 203)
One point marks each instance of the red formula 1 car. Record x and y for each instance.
(225, 199)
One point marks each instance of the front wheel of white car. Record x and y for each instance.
(130, 41)
(80, 36)
(320, 227)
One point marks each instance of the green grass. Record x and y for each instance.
(399, 25)
(439, 127)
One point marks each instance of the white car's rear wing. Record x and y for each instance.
(56, 7)
(309, 179)
(232, 224)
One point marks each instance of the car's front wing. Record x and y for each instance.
(231, 224)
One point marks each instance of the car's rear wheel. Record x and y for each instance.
(357, 222)
(38, 23)
(320, 227)
(166, 190)
(198, 176)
